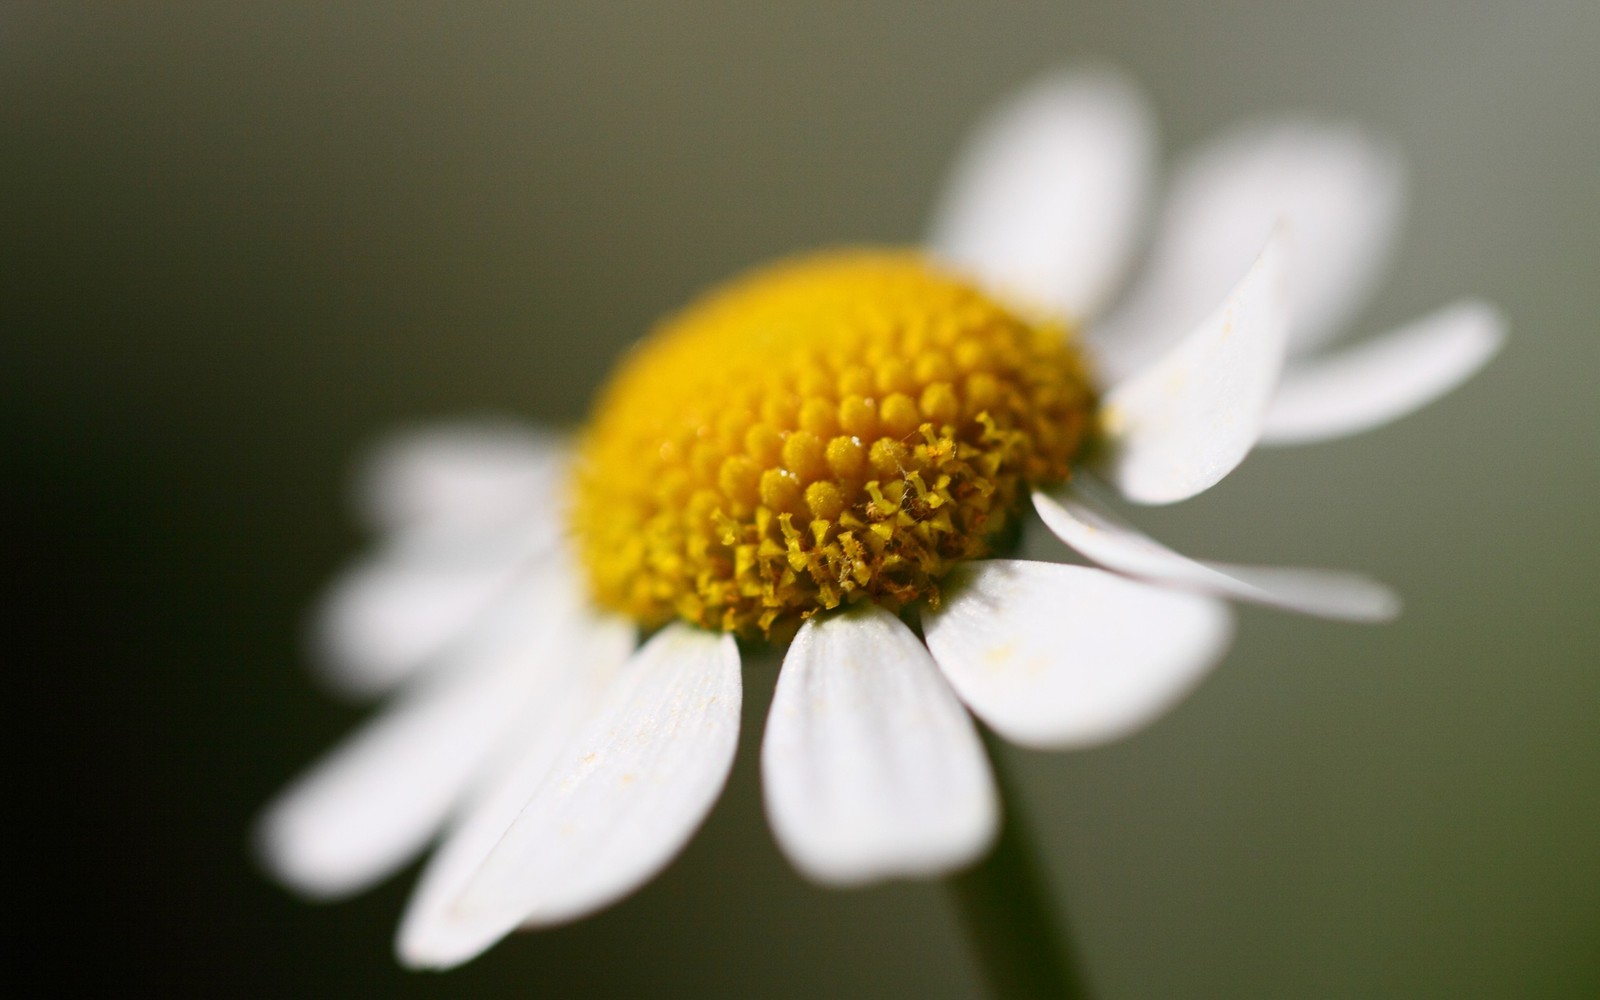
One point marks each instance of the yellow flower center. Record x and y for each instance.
(836, 428)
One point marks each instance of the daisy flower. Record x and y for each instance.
(831, 454)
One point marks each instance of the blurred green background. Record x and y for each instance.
(240, 241)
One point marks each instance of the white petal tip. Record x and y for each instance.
(1330, 594)
(1177, 428)
(1387, 610)
(835, 869)
(1080, 521)
(304, 861)
(1386, 378)
(619, 801)
(436, 949)
(1058, 657)
(458, 473)
(1045, 201)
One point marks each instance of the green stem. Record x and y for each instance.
(1005, 904)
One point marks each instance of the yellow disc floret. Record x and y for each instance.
(832, 429)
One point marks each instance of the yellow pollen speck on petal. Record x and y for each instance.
(828, 430)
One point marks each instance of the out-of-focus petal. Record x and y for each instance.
(1182, 424)
(1342, 192)
(1060, 656)
(465, 476)
(623, 798)
(871, 767)
(400, 608)
(1045, 202)
(1385, 378)
(1095, 532)
(376, 801)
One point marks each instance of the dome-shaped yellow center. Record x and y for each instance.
(831, 429)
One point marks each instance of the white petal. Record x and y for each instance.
(393, 612)
(1385, 378)
(466, 476)
(1058, 656)
(871, 767)
(621, 801)
(1045, 201)
(430, 935)
(1176, 428)
(1095, 532)
(1341, 191)
(377, 800)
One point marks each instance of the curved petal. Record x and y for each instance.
(1096, 533)
(1064, 656)
(1385, 378)
(1181, 425)
(1342, 192)
(462, 476)
(871, 768)
(377, 800)
(1045, 202)
(623, 798)
(389, 615)
(430, 935)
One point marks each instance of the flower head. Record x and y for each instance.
(838, 428)
(824, 454)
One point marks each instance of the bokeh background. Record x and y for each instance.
(242, 240)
